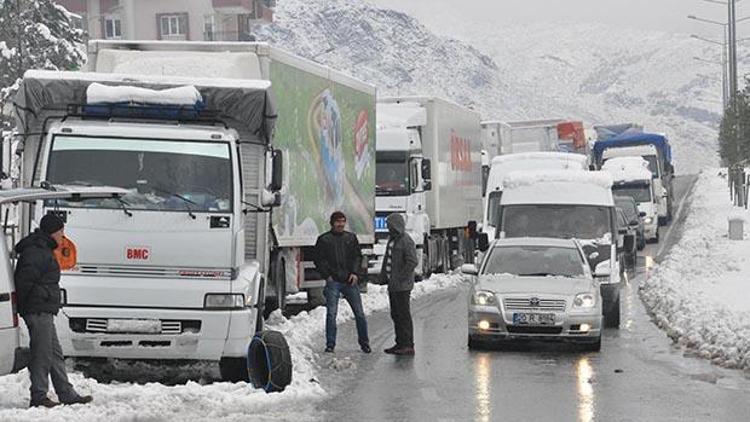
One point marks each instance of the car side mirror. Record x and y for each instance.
(633, 222)
(603, 269)
(642, 214)
(483, 241)
(469, 269)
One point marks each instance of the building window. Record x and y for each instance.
(172, 25)
(209, 28)
(112, 27)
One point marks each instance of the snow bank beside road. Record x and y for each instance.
(698, 295)
(218, 401)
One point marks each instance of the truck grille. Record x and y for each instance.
(99, 325)
(535, 304)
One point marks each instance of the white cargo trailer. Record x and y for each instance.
(428, 169)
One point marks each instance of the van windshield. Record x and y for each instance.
(160, 174)
(586, 222)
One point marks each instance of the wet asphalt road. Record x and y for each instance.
(637, 376)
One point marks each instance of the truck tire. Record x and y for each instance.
(269, 362)
(612, 315)
(278, 283)
(233, 369)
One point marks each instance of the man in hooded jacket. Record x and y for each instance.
(37, 280)
(398, 273)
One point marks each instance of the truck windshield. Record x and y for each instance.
(535, 261)
(641, 192)
(392, 174)
(160, 174)
(586, 222)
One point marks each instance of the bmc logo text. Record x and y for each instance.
(137, 253)
(460, 153)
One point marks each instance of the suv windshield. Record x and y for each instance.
(160, 174)
(535, 261)
(559, 221)
(392, 173)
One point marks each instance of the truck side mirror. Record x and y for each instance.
(483, 242)
(427, 185)
(426, 170)
(277, 171)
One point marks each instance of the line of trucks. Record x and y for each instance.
(233, 155)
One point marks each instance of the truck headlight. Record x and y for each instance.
(224, 301)
(483, 298)
(584, 301)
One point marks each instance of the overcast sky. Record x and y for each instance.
(669, 15)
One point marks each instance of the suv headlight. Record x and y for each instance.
(224, 301)
(584, 301)
(483, 298)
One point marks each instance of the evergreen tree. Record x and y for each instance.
(35, 34)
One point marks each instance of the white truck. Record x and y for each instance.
(656, 150)
(503, 165)
(632, 178)
(209, 235)
(326, 130)
(569, 205)
(428, 169)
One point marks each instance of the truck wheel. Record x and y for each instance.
(315, 297)
(269, 361)
(612, 315)
(426, 270)
(233, 369)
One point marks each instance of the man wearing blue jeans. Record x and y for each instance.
(338, 259)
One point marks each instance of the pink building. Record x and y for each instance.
(197, 20)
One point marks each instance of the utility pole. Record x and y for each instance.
(732, 32)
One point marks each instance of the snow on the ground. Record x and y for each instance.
(221, 401)
(699, 294)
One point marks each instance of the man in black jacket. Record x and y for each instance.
(397, 272)
(37, 279)
(338, 260)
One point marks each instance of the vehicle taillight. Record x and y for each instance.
(13, 302)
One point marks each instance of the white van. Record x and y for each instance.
(568, 205)
(505, 164)
(12, 356)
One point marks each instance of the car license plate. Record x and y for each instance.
(533, 319)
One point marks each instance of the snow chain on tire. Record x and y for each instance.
(269, 362)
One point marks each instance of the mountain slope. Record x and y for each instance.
(589, 72)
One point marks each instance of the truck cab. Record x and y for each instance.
(173, 268)
(568, 205)
(632, 178)
(653, 148)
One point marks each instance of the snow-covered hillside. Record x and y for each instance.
(591, 72)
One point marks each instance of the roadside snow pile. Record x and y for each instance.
(698, 295)
(220, 401)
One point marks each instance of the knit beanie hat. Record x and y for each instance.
(51, 223)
